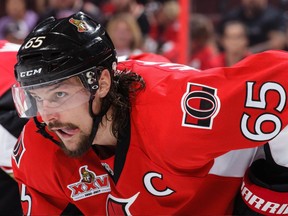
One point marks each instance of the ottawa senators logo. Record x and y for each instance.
(80, 24)
(87, 176)
(89, 184)
(200, 105)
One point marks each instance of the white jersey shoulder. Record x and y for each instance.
(9, 47)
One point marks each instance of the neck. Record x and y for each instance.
(104, 135)
(232, 58)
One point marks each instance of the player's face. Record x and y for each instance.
(64, 107)
(235, 40)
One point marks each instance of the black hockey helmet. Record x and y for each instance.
(58, 49)
(62, 48)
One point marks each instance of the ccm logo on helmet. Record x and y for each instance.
(30, 72)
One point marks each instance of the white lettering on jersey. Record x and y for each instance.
(261, 204)
(150, 187)
(25, 197)
(172, 66)
(256, 133)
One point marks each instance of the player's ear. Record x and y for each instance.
(104, 83)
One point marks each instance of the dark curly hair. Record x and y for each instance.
(124, 87)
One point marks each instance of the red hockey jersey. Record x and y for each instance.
(7, 61)
(8, 56)
(191, 137)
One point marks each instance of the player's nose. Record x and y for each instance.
(48, 114)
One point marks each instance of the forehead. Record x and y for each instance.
(72, 83)
(235, 27)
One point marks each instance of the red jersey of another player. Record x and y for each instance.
(8, 52)
(202, 59)
(7, 60)
(190, 139)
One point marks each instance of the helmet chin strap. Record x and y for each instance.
(42, 130)
(97, 118)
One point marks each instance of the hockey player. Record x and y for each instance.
(10, 128)
(137, 137)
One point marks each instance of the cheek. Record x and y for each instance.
(83, 119)
(96, 104)
(86, 125)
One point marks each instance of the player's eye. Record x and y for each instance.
(60, 94)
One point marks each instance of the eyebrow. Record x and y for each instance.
(55, 86)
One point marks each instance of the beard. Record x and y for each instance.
(82, 146)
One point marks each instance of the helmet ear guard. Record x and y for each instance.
(89, 79)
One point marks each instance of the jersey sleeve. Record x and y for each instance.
(31, 155)
(34, 203)
(189, 117)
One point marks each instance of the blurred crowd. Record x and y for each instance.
(137, 26)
